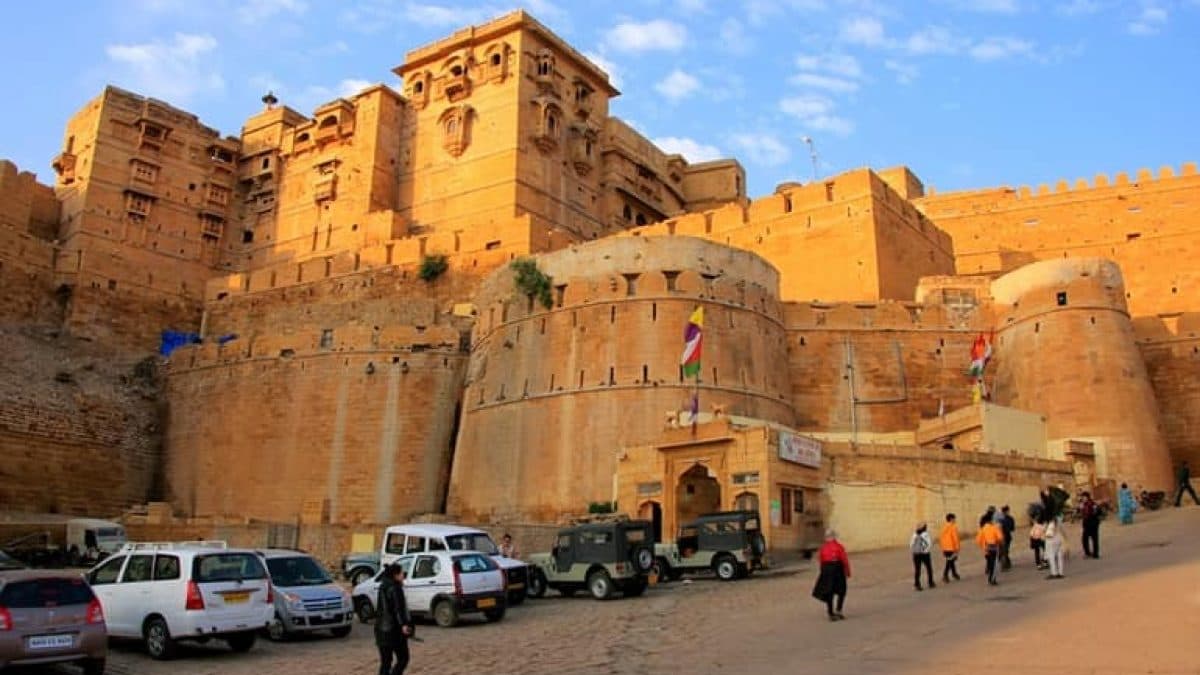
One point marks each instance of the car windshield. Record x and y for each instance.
(7, 562)
(227, 567)
(39, 593)
(297, 571)
(110, 532)
(477, 541)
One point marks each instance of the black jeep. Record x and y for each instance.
(601, 557)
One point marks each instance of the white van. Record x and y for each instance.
(91, 539)
(401, 540)
(162, 593)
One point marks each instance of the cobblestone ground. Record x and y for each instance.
(1136, 610)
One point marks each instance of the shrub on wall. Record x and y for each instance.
(432, 267)
(532, 282)
(602, 507)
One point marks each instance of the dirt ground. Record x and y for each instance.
(1135, 610)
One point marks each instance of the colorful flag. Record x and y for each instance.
(981, 353)
(692, 336)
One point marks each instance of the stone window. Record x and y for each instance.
(545, 64)
(211, 227)
(326, 338)
(218, 194)
(144, 171)
(138, 204)
(418, 87)
(745, 478)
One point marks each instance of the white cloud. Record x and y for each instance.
(836, 85)
(733, 37)
(837, 64)
(613, 70)
(173, 70)
(906, 73)
(934, 40)
(692, 150)
(435, 16)
(678, 85)
(1151, 20)
(351, 86)
(817, 113)
(864, 30)
(997, 48)
(1079, 7)
(659, 34)
(990, 6)
(254, 11)
(762, 148)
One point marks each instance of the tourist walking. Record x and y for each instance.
(1007, 526)
(1126, 504)
(835, 570)
(1183, 479)
(990, 539)
(1054, 547)
(393, 623)
(1090, 511)
(921, 547)
(1037, 542)
(951, 545)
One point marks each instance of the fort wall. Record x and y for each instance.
(1170, 348)
(1079, 365)
(547, 386)
(1138, 222)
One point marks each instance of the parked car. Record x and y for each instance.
(306, 598)
(401, 540)
(358, 567)
(442, 585)
(730, 544)
(162, 593)
(600, 557)
(50, 617)
(90, 540)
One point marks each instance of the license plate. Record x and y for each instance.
(235, 598)
(51, 641)
(485, 602)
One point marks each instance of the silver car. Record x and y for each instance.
(306, 597)
(50, 617)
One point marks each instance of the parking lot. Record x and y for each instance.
(1116, 606)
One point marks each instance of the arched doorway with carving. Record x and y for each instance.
(746, 501)
(652, 511)
(697, 493)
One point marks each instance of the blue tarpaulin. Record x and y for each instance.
(172, 340)
(226, 338)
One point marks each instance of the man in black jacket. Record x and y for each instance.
(1007, 525)
(393, 624)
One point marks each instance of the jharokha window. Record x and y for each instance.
(143, 171)
(218, 194)
(137, 204)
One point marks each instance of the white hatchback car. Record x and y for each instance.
(165, 592)
(442, 585)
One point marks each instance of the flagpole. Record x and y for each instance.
(696, 403)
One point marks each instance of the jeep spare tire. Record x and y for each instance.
(642, 558)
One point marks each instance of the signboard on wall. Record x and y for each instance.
(799, 449)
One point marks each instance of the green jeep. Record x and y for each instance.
(729, 543)
(601, 557)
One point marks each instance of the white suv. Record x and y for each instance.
(442, 585)
(166, 592)
(401, 540)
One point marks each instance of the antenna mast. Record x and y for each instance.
(812, 153)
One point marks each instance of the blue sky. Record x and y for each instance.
(969, 93)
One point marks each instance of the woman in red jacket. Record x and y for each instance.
(835, 570)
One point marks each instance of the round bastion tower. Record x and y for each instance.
(1067, 350)
(554, 393)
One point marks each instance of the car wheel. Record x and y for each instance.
(241, 642)
(537, 584)
(276, 632)
(93, 667)
(341, 631)
(445, 614)
(364, 610)
(494, 615)
(662, 570)
(600, 585)
(642, 558)
(159, 644)
(636, 587)
(360, 575)
(726, 568)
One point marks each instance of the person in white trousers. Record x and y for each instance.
(1054, 547)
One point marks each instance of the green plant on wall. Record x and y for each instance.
(532, 282)
(432, 267)
(602, 507)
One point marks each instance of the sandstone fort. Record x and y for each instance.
(467, 297)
